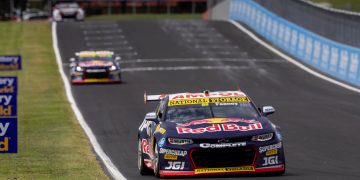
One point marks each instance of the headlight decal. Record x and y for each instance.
(263, 137)
(179, 141)
(112, 68)
(78, 68)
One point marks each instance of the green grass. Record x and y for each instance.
(51, 143)
(353, 5)
(144, 16)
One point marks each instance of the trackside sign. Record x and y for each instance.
(10, 62)
(8, 114)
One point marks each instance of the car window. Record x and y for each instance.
(184, 114)
(68, 5)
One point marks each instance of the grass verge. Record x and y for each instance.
(351, 5)
(144, 16)
(51, 143)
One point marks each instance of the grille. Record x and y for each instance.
(96, 73)
(223, 157)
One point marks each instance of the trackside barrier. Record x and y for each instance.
(330, 57)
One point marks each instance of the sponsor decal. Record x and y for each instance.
(8, 135)
(170, 157)
(206, 101)
(203, 101)
(222, 170)
(10, 62)
(271, 152)
(226, 104)
(216, 121)
(95, 70)
(8, 115)
(162, 130)
(218, 127)
(161, 142)
(202, 95)
(272, 160)
(145, 146)
(173, 152)
(159, 129)
(270, 147)
(223, 145)
(175, 165)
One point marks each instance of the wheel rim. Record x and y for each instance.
(139, 155)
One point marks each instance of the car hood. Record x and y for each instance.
(96, 63)
(218, 128)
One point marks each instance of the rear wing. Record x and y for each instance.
(148, 98)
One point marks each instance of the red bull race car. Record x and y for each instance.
(209, 133)
(95, 67)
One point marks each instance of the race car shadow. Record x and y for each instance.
(98, 83)
(274, 175)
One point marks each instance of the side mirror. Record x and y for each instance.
(151, 116)
(117, 58)
(72, 59)
(267, 110)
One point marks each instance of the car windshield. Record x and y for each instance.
(68, 5)
(184, 114)
(93, 58)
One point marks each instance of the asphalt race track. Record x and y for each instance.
(320, 121)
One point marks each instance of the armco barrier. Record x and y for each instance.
(338, 60)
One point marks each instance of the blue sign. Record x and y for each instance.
(10, 62)
(8, 135)
(335, 59)
(8, 114)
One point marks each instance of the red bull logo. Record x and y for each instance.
(216, 121)
(219, 127)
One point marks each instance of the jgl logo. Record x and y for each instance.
(8, 135)
(175, 165)
(272, 160)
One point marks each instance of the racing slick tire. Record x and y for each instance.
(143, 170)
(156, 161)
(120, 78)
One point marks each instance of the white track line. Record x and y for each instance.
(298, 64)
(183, 68)
(115, 173)
(132, 61)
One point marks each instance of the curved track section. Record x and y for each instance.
(320, 121)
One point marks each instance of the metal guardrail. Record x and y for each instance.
(341, 27)
(331, 57)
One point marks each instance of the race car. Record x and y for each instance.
(95, 67)
(68, 10)
(209, 133)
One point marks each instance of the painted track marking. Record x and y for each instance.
(183, 68)
(112, 169)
